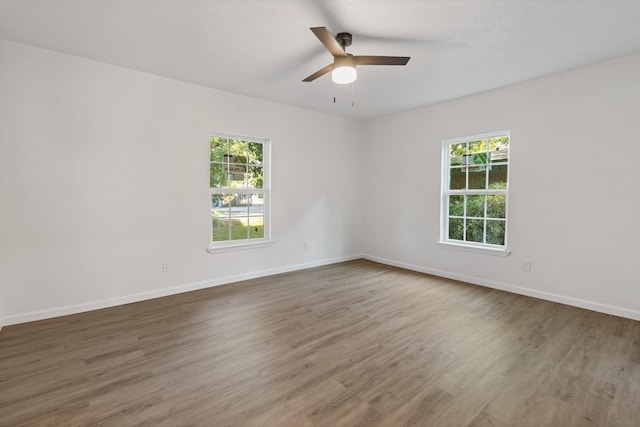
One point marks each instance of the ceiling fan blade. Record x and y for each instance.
(319, 73)
(328, 41)
(382, 60)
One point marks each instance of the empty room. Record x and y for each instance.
(319, 213)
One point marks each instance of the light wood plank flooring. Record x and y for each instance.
(350, 344)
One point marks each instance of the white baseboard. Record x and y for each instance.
(576, 302)
(112, 302)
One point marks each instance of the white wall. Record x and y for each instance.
(574, 187)
(106, 176)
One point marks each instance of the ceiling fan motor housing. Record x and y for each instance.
(344, 39)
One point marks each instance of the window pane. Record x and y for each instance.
(457, 161)
(238, 216)
(217, 175)
(239, 229)
(498, 142)
(237, 147)
(475, 230)
(478, 146)
(255, 152)
(456, 205)
(477, 178)
(256, 177)
(218, 148)
(220, 229)
(219, 205)
(495, 232)
(499, 147)
(458, 179)
(475, 206)
(456, 228)
(256, 204)
(457, 151)
(256, 227)
(238, 180)
(498, 177)
(236, 167)
(496, 206)
(238, 205)
(500, 155)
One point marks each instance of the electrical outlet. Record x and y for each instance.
(307, 246)
(526, 265)
(165, 267)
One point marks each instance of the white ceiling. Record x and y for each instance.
(263, 48)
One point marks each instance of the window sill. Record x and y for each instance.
(215, 249)
(475, 249)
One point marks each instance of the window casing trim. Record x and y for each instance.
(466, 246)
(235, 245)
(254, 244)
(469, 247)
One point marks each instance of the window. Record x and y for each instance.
(239, 187)
(475, 191)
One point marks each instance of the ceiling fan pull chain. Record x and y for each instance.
(353, 86)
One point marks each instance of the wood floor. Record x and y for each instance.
(350, 344)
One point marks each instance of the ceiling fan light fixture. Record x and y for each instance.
(344, 70)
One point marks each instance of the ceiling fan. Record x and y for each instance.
(344, 64)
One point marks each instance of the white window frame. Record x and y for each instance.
(475, 247)
(232, 245)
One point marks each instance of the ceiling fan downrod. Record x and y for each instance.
(344, 40)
